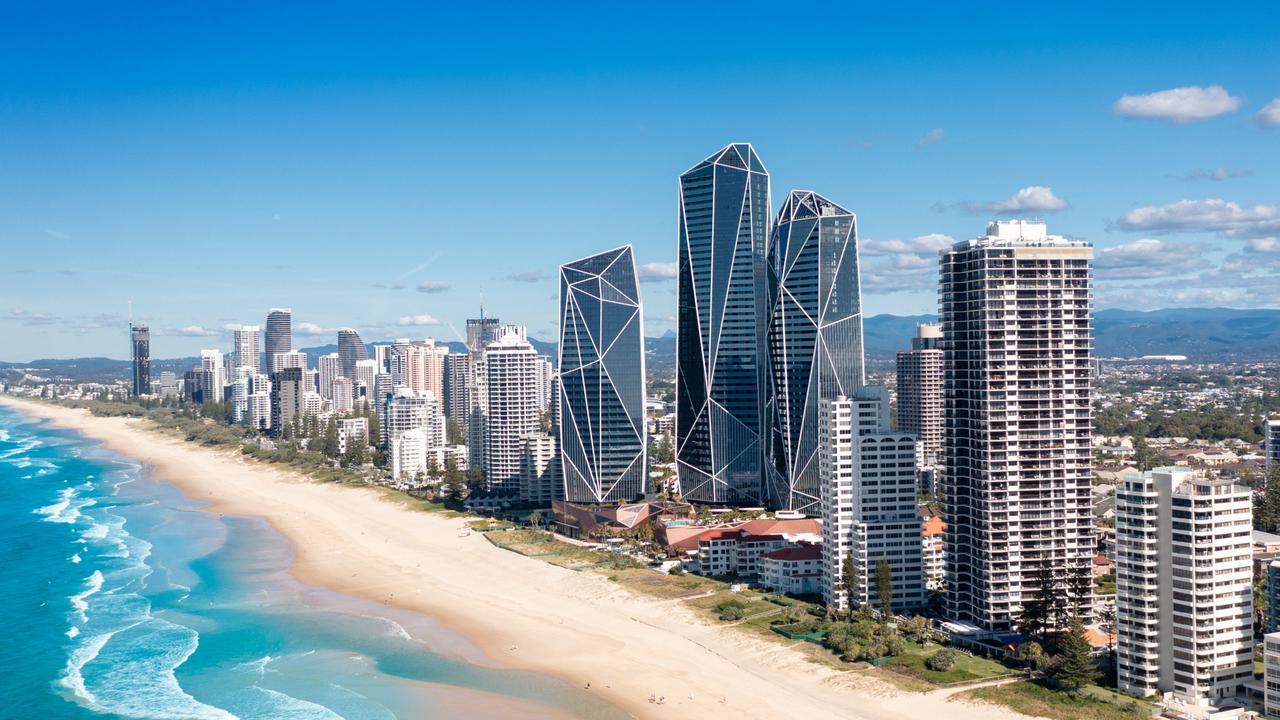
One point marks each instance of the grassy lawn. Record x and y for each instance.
(1031, 698)
(753, 602)
(967, 667)
(1106, 584)
(545, 547)
(663, 586)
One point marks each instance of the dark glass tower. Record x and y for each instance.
(140, 339)
(720, 323)
(279, 335)
(351, 350)
(815, 337)
(480, 332)
(602, 425)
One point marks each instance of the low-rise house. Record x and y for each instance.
(735, 549)
(793, 570)
(1214, 457)
(1101, 565)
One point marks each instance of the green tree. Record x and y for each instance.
(375, 429)
(849, 581)
(1037, 611)
(1266, 509)
(1107, 624)
(1074, 668)
(1030, 653)
(454, 433)
(662, 452)
(357, 452)
(916, 628)
(941, 661)
(1143, 456)
(1080, 588)
(884, 588)
(329, 442)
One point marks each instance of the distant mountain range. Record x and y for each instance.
(1198, 333)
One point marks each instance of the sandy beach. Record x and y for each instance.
(521, 613)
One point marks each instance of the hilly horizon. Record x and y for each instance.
(1198, 333)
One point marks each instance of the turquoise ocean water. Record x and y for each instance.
(119, 599)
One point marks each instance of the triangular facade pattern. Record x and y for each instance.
(814, 338)
(724, 209)
(602, 427)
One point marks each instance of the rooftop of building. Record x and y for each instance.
(799, 553)
(1020, 233)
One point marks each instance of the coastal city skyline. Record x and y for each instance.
(1168, 173)
(653, 362)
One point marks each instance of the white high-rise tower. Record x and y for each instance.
(1017, 441)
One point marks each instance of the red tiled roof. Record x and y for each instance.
(933, 526)
(770, 526)
(803, 552)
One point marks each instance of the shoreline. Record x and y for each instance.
(521, 613)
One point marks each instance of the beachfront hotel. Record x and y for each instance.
(814, 338)
(508, 408)
(724, 213)
(1018, 477)
(867, 484)
(1184, 585)
(602, 430)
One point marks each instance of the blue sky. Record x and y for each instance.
(380, 167)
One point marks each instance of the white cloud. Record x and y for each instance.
(56, 235)
(1224, 286)
(1030, 199)
(656, 271)
(1226, 218)
(1263, 245)
(192, 331)
(931, 137)
(902, 265)
(1269, 115)
(528, 276)
(311, 329)
(29, 318)
(1181, 105)
(1217, 174)
(925, 244)
(418, 320)
(1148, 258)
(433, 286)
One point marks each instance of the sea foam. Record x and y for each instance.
(280, 705)
(80, 601)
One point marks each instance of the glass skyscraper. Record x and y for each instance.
(279, 336)
(815, 338)
(351, 350)
(140, 340)
(721, 317)
(602, 424)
